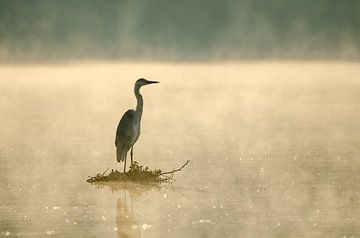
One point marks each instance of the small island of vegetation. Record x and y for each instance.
(137, 174)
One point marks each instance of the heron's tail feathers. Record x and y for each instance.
(120, 154)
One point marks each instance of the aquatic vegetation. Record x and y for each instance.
(137, 174)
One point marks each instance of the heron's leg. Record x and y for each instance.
(125, 164)
(131, 154)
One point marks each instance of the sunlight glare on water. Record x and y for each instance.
(274, 150)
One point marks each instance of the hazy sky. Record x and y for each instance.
(178, 30)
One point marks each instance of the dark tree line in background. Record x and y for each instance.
(179, 30)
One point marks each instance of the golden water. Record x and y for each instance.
(274, 150)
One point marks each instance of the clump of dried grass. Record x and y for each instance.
(137, 174)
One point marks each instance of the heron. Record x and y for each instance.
(128, 130)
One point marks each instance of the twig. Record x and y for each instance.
(98, 176)
(175, 170)
(105, 171)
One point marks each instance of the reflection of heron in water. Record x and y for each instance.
(126, 223)
(128, 130)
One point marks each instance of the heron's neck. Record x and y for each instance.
(140, 101)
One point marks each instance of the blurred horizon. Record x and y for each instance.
(159, 30)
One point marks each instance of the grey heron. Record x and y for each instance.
(128, 130)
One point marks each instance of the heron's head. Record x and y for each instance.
(142, 82)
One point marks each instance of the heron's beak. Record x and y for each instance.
(150, 82)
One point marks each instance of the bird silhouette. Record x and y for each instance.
(128, 130)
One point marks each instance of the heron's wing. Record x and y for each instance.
(124, 129)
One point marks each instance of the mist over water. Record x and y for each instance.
(274, 150)
(262, 97)
(203, 30)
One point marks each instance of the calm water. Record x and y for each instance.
(274, 150)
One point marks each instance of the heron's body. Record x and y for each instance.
(127, 133)
(128, 130)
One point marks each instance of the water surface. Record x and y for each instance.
(274, 150)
